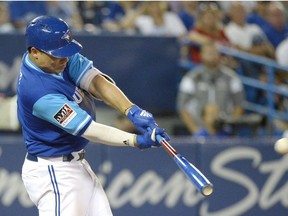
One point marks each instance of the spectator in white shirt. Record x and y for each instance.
(249, 38)
(281, 53)
(244, 36)
(157, 20)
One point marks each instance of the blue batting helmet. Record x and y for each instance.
(52, 36)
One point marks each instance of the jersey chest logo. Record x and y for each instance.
(65, 115)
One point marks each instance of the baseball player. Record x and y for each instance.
(56, 88)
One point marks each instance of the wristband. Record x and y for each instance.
(127, 109)
(131, 141)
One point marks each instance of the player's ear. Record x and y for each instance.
(33, 51)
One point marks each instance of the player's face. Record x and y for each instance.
(47, 62)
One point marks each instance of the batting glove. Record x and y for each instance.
(141, 119)
(148, 139)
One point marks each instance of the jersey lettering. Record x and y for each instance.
(78, 95)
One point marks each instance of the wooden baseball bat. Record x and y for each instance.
(202, 184)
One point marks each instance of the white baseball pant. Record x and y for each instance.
(64, 188)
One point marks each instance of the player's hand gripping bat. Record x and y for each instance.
(202, 184)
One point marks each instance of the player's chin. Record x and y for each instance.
(60, 69)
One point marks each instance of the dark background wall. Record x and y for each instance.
(144, 68)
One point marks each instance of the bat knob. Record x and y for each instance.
(208, 190)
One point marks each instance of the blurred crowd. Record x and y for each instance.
(256, 27)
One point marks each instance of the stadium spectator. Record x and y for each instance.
(8, 105)
(248, 38)
(258, 15)
(281, 53)
(5, 25)
(225, 6)
(248, 5)
(21, 12)
(119, 16)
(251, 38)
(188, 14)
(208, 28)
(209, 83)
(66, 10)
(157, 20)
(244, 36)
(91, 13)
(175, 6)
(276, 29)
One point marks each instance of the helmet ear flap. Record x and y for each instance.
(51, 35)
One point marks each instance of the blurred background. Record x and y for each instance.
(214, 75)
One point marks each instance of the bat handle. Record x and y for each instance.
(172, 152)
(159, 138)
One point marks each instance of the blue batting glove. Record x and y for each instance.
(141, 119)
(148, 139)
(163, 134)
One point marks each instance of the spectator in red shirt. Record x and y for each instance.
(208, 28)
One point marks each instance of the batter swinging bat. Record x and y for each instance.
(202, 184)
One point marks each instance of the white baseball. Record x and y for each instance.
(281, 146)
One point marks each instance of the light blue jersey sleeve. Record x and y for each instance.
(81, 70)
(58, 110)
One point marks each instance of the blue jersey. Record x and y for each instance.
(55, 109)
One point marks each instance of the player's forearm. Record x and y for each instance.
(116, 99)
(100, 133)
(109, 93)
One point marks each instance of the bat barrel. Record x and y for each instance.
(202, 184)
(208, 190)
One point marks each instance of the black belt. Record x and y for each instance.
(65, 158)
